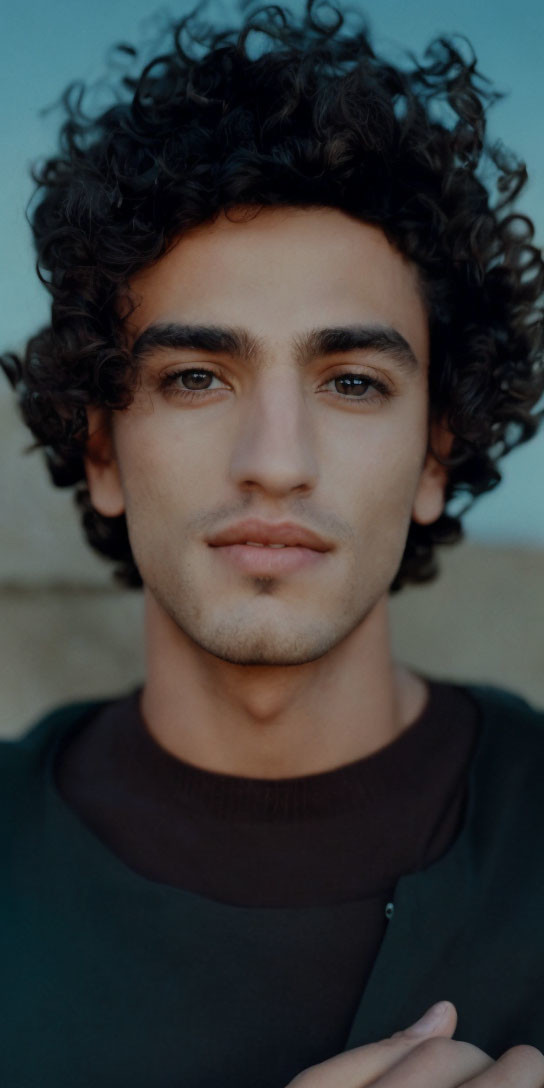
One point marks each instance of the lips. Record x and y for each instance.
(253, 531)
(269, 561)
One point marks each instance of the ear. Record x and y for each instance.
(101, 466)
(429, 498)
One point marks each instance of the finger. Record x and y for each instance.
(519, 1067)
(440, 1063)
(361, 1066)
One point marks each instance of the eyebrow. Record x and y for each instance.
(238, 342)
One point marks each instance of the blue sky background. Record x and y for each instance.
(46, 45)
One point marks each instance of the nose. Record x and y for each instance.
(275, 447)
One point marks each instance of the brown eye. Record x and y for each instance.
(187, 382)
(195, 379)
(352, 383)
(351, 386)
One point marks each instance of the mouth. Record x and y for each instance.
(269, 558)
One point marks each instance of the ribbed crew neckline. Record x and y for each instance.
(392, 770)
(333, 837)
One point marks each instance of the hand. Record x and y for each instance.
(425, 1056)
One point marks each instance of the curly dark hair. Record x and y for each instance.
(315, 119)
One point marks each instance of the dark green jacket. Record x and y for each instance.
(109, 979)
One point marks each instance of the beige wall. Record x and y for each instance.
(67, 633)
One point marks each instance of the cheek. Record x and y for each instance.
(157, 462)
(379, 468)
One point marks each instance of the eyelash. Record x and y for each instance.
(167, 385)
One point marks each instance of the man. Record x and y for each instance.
(289, 324)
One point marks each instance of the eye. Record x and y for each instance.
(356, 386)
(171, 383)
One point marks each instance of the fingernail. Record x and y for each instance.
(430, 1020)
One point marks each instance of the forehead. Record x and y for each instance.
(280, 272)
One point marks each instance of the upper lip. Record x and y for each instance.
(263, 532)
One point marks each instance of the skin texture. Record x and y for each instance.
(290, 675)
(425, 1056)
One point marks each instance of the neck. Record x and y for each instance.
(276, 722)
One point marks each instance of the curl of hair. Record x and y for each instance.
(315, 119)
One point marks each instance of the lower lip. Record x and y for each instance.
(268, 560)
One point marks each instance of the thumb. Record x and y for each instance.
(440, 1019)
(365, 1064)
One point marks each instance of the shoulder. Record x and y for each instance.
(30, 751)
(24, 772)
(507, 716)
(508, 765)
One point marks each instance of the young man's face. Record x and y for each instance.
(274, 434)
